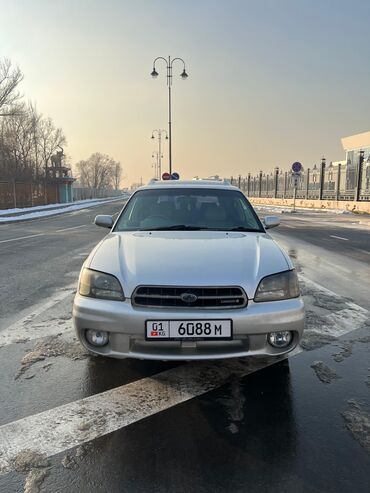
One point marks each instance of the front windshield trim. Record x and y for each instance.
(188, 191)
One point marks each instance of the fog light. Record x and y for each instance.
(97, 337)
(280, 339)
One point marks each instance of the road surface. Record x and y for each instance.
(74, 423)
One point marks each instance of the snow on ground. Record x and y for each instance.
(36, 208)
(286, 208)
(51, 210)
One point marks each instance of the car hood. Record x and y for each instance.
(189, 258)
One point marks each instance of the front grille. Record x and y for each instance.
(173, 297)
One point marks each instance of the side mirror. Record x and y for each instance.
(104, 221)
(271, 222)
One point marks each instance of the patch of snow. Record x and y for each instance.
(50, 210)
(287, 209)
(5, 212)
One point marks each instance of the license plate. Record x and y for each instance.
(188, 329)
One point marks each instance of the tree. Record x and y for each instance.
(27, 141)
(117, 173)
(10, 77)
(99, 171)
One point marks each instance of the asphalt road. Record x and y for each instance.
(40, 257)
(332, 249)
(74, 423)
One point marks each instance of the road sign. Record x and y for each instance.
(175, 176)
(297, 167)
(166, 176)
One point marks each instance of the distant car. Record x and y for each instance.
(188, 271)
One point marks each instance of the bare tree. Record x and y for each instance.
(27, 141)
(10, 77)
(99, 171)
(117, 173)
(17, 140)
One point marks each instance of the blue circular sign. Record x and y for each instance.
(175, 176)
(296, 167)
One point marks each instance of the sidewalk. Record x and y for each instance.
(341, 216)
(17, 215)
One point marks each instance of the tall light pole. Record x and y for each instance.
(157, 164)
(160, 154)
(169, 64)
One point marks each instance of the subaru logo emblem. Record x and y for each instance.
(189, 297)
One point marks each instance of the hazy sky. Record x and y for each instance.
(270, 82)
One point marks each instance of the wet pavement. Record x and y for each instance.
(70, 422)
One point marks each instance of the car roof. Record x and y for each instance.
(155, 184)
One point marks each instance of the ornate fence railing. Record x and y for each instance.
(324, 182)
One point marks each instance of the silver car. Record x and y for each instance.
(186, 272)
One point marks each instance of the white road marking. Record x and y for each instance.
(74, 227)
(343, 269)
(289, 226)
(59, 429)
(363, 251)
(34, 331)
(27, 328)
(22, 238)
(339, 237)
(314, 286)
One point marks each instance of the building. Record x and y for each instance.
(354, 146)
(356, 143)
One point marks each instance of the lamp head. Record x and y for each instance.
(154, 74)
(184, 75)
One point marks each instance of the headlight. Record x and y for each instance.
(96, 284)
(280, 286)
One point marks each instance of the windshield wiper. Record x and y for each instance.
(249, 230)
(174, 227)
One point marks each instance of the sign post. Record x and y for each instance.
(296, 172)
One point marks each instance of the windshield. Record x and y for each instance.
(188, 209)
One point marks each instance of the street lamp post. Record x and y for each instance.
(159, 154)
(157, 164)
(169, 64)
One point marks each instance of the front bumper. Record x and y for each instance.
(126, 325)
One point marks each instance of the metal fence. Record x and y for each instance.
(340, 181)
(93, 193)
(19, 194)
